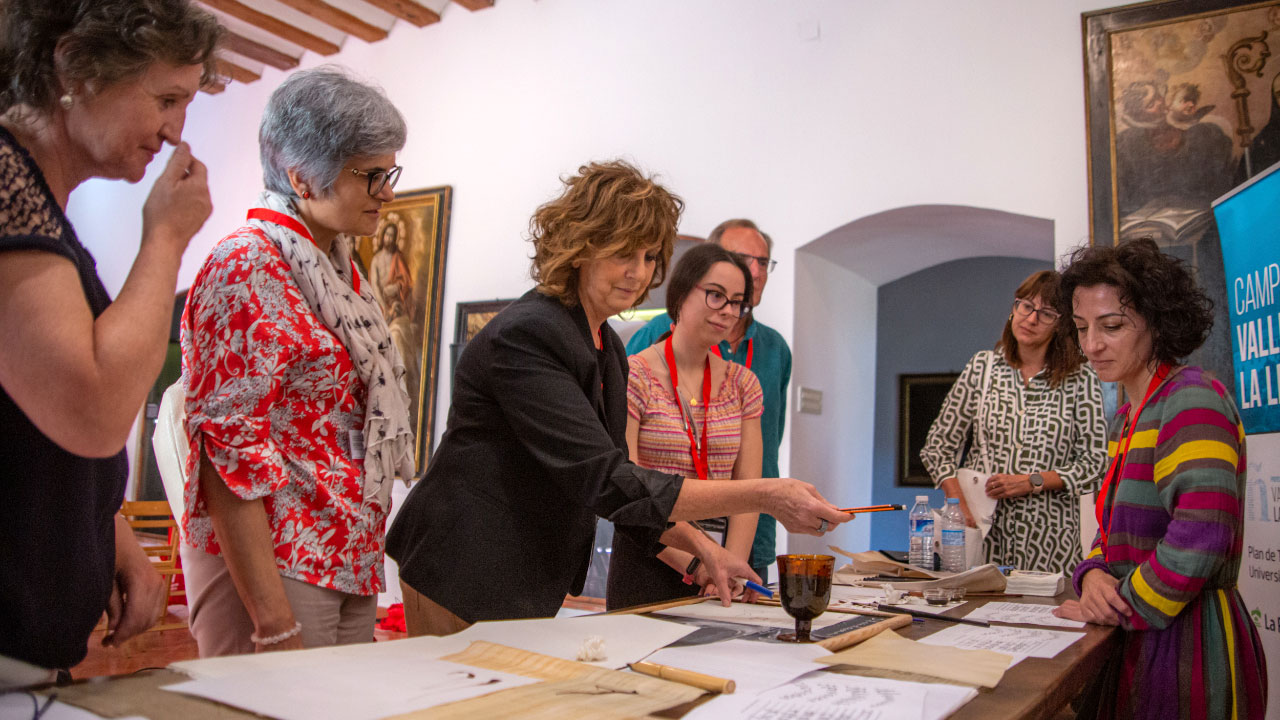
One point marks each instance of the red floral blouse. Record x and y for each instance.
(273, 398)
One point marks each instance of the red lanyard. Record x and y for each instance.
(272, 216)
(750, 352)
(1122, 456)
(699, 461)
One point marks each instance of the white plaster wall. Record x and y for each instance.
(834, 450)
(803, 115)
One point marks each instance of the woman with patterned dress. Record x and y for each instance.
(297, 413)
(1166, 558)
(91, 88)
(1039, 429)
(706, 426)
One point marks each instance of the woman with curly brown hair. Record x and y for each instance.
(535, 449)
(92, 88)
(1166, 557)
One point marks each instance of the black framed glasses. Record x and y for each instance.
(765, 263)
(379, 179)
(1023, 308)
(717, 300)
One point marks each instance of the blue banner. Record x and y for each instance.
(1249, 225)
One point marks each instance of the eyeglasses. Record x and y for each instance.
(1023, 308)
(379, 179)
(765, 263)
(717, 300)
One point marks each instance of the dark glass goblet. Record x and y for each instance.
(804, 582)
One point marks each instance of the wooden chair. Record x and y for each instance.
(145, 517)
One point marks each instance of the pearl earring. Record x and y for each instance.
(67, 101)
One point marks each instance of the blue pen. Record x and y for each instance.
(759, 588)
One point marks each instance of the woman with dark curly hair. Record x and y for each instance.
(535, 449)
(1166, 557)
(92, 88)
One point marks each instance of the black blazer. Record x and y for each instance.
(502, 524)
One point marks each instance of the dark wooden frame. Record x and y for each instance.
(431, 208)
(910, 470)
(462, 326)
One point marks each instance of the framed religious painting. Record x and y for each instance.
(1181, 106)
(404, 262)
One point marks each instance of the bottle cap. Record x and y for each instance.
(922, 498)
(953, 501)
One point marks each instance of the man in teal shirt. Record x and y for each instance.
(761, 349)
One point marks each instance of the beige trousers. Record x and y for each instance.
(422, 616)
(221, 625)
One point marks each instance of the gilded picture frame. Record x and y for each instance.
(1181, 106)
(404, 262)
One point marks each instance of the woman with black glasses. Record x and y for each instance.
(693, 414)
(1035, 412)
(297, 412)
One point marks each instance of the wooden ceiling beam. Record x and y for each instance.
(273, 25)
(228, 69)
(474, 5)
(407, 10)
(257, 51)
(340, 19)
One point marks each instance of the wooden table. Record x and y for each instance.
(1034, 688)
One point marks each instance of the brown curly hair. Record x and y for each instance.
(1063, 355)
(607, 209)
(1159, 287)
(96, 43)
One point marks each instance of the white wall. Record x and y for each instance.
(834, 450)
(803, 115)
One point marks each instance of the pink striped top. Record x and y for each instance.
(664, 444)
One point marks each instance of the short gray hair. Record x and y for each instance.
(718, 234)
(319, 119)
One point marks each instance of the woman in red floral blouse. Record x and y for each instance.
(297, 412)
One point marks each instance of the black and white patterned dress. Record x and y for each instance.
(1025, 428)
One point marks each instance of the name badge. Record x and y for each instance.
(357, 444)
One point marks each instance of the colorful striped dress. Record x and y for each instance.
(1190, 649)
(635, 576)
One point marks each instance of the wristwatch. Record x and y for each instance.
(1037, 483)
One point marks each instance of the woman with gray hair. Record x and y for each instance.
(297, 413)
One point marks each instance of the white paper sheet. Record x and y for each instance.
(834, 696)
(748, 614)
(1021, 614)
(627, 638)
(753, 666)
(350, 691)
(1021, 643)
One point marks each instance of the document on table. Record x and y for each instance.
(350, 691)
(834, 696)
(1021, 614)
(891, 651)
(1019, 642)
(754, 667)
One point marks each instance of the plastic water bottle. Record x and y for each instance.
(953, 537)
(920, 553)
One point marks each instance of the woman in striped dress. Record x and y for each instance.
(706, 424)
(1165, 561)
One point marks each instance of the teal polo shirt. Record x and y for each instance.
(771, 362)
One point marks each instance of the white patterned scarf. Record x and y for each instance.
(356, 318)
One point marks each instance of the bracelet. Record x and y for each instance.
(694, 564)
(277, 638)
